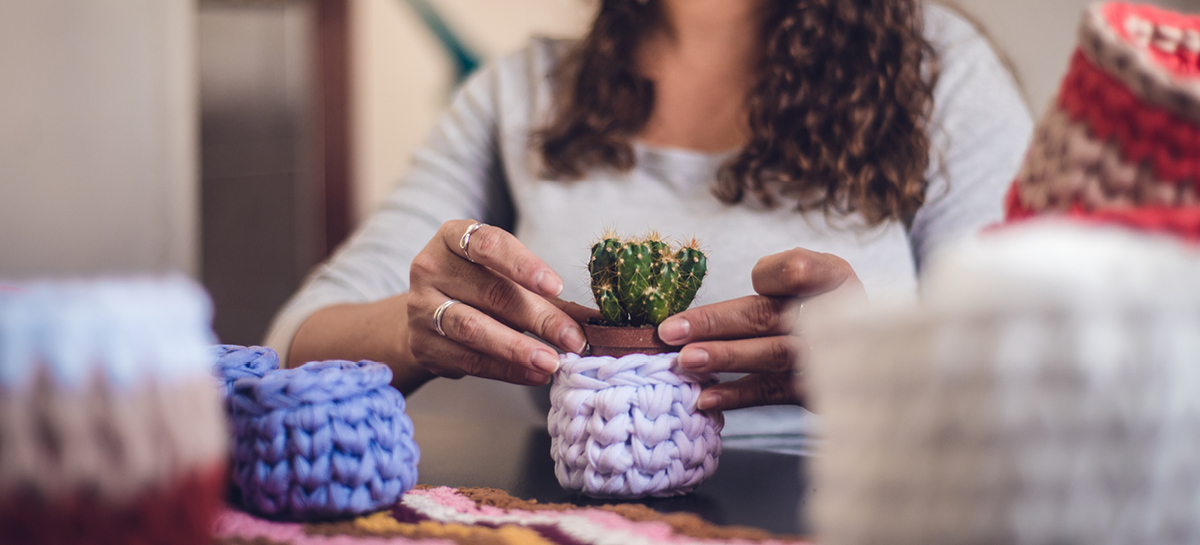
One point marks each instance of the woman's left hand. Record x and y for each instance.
(756, 334)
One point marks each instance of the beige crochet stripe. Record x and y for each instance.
(55, 441)
(1132, 64)
(1067, 164)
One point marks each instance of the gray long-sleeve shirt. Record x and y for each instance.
(478, 164)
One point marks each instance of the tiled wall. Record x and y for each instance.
(257, 159)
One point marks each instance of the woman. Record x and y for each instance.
(814, 146)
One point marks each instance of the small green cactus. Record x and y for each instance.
(642, 282)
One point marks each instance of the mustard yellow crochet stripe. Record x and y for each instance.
(383, 524)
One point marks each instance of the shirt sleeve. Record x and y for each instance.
(456, 174)
(980, 130)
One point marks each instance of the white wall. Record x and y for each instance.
(402, 78)
(97, 137)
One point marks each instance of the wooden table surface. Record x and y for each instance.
(750, 488)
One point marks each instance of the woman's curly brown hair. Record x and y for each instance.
(838, 114)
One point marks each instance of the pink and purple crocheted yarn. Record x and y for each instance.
(471, 516)
(628, 427)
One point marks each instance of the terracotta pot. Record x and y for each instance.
(621, 341)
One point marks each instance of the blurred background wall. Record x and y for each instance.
(98, 139)
(260, 158)
(402, 77)
(194, 135)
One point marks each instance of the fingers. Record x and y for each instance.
(447, 358)
(781, 280)
(778, 354)
(512, 306)
(752, 334)
(475, 344)
(750, 316)
(516, 306)
(484, 334)
(477, 330)
(498, 250)
(752, 391)
(801, 273)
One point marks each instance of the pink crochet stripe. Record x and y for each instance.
(238, 525)
(586, 525)
(447, 506)
(448, 497)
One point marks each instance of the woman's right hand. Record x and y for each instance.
(505, 291)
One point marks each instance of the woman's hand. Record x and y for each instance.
(756, 334)
(504, 291)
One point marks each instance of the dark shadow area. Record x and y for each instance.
(256, 169)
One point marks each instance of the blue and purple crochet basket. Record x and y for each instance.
(323, 440)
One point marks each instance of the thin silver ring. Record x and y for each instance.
(441, 311)
(465, 241)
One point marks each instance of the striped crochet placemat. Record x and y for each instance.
(484, 516)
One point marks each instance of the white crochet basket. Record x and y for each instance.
(1047, 392)
(628, 427)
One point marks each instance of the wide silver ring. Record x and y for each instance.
(441, 311)
(465, 241)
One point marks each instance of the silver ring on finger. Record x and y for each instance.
(465, 241)
(440, 312)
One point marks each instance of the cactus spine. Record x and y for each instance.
(603, 267)
(692, 266)
(642, 282)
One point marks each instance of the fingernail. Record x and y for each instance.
(674, 330)
(572, 339)
(693, 358)
(545, 360)
(708, 400)
(536, 377)
(549, 283)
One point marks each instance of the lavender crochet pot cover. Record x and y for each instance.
(628, 427)
(323, 440)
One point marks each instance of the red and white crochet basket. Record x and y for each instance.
(1121, 143)
(1047, 388)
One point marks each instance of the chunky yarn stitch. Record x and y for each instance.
(323, 440)
(234, 362)
(628, 427)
